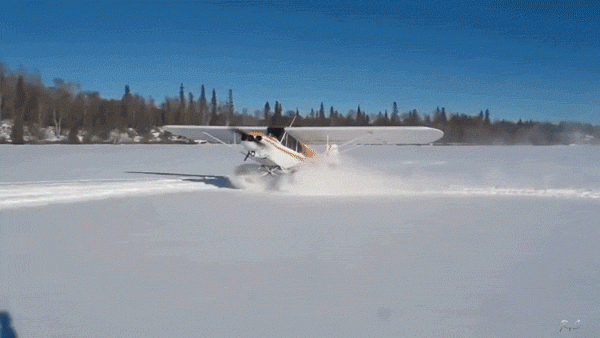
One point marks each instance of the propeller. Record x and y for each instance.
(251, 138)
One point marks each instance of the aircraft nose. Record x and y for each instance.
(251, 138)
(249, 144)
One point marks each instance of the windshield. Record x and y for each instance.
(285, 139)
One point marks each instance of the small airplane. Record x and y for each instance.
(283, 150)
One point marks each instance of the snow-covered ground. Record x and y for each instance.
(134, 240)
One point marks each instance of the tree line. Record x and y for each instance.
(69, 111)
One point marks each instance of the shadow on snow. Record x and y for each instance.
(216, 180)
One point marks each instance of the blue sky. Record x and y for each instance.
(517, 59)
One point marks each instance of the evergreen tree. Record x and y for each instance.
(192, 117)
(362, 119)
(17, 130)
(413, 118)
(278, 111)
(213, 109)
(230, 106)
(437, 115)
(267, 112)
(427, 120)
(181, 96)
(486, 121)
(181, 117)
(203, 109)
(443, 117)
(382, 119)
(332, 117)
(277, 119)
(125, 108)
(322, 113)
(395, 118)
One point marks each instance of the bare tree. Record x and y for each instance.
(75, 122)
(17, 130)
(62, 96)
(3, 88)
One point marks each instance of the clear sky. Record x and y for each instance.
(519, 59)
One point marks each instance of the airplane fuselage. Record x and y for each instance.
(270, 152)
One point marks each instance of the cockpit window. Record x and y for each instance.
(276, 132)
(285, 139)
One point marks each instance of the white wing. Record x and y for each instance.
(366, 135)
(320, 135)
(223, 133)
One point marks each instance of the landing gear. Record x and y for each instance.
(271, 170)
(250, 153)
(258, 177)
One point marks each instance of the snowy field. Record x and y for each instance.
(153, 241)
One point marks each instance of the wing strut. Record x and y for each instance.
(352, 141)
(222, 142)
(285, 131)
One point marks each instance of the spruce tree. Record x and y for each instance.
(191, 114)
(277, 119)
(229, 107)
(322, 112)
(267, 112)
(332, 116)
(213, 109)
(181, 112)
(395, 118)
(443, 117)
(203, 112)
